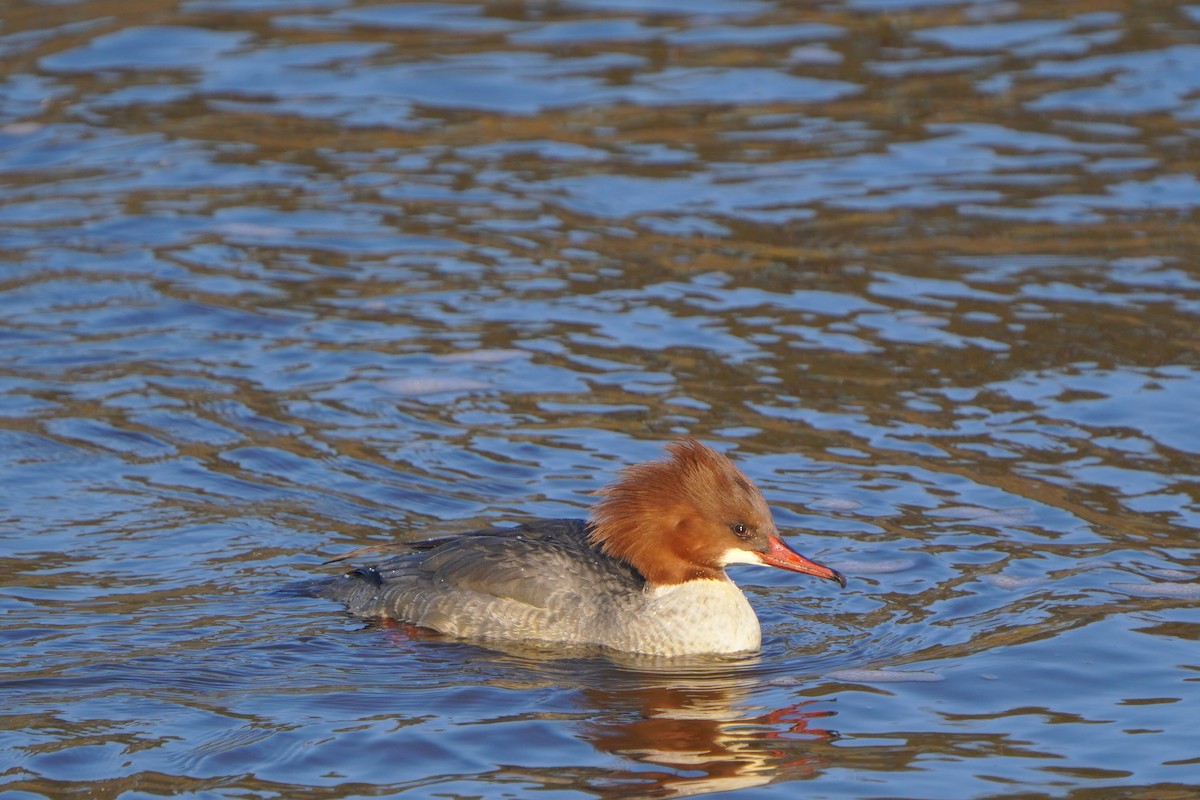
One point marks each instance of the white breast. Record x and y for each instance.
(702, 616)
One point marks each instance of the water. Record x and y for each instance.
(279, 280)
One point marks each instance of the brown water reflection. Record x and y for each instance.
(281, 279)
(700, 733)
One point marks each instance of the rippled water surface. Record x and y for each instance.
(283, 279)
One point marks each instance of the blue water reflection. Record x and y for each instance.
(281, 280)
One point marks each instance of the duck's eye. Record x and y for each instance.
(739, 529)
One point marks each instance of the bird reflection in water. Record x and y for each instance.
(707, 736)
(689, 726)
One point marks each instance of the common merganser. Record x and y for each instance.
(644, 574)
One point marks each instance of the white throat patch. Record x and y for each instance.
(736, 555)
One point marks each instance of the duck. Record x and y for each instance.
(644, 573)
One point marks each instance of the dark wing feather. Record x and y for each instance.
(529, 564)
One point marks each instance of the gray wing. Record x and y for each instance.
(522, 582)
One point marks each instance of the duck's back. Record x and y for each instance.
(541, 580)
